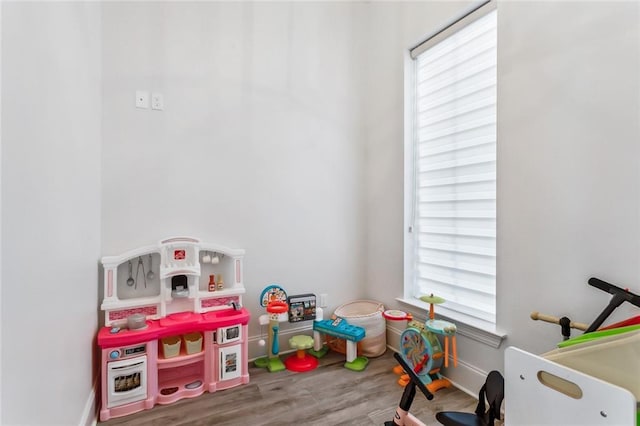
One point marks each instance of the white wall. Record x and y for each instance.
(50, 210)
(282, 134)
(573, 143)
(568, 161)
(259, 145)
(1, 214)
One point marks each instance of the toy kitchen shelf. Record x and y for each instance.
(171, 276)
(174, 325)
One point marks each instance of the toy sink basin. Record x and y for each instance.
(180, 318)
(228, 315)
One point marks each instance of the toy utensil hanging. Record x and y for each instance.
(130, 281)
(144, 275)
(150, 274)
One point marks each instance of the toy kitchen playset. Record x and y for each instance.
(174, 325)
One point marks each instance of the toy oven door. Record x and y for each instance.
(127, 381)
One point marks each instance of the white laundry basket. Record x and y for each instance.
(368, 315)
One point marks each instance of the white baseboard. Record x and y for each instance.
(90, 412)
(465, 377)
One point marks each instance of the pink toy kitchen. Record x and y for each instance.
(174, 325)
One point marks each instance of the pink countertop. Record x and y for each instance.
(171, 325)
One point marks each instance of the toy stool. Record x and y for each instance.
(301, 361)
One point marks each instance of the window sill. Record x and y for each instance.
(473, 328)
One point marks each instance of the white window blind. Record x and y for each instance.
(454, 217)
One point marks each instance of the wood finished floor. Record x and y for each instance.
(328, 395)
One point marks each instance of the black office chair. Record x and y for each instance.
(493, 388)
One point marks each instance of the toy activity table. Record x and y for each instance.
(340, 328)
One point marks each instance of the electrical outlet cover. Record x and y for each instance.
(157, 101)
(142, 99)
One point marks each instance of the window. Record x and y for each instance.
(450, 202)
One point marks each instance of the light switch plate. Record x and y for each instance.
(323, 300)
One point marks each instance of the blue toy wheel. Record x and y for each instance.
(417, 352)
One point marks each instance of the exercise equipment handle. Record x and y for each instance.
(555, 320)
(620, 295)
(628, 296)
(413, 376)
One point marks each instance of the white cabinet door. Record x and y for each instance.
(230, 362)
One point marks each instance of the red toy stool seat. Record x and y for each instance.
(301, 361)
